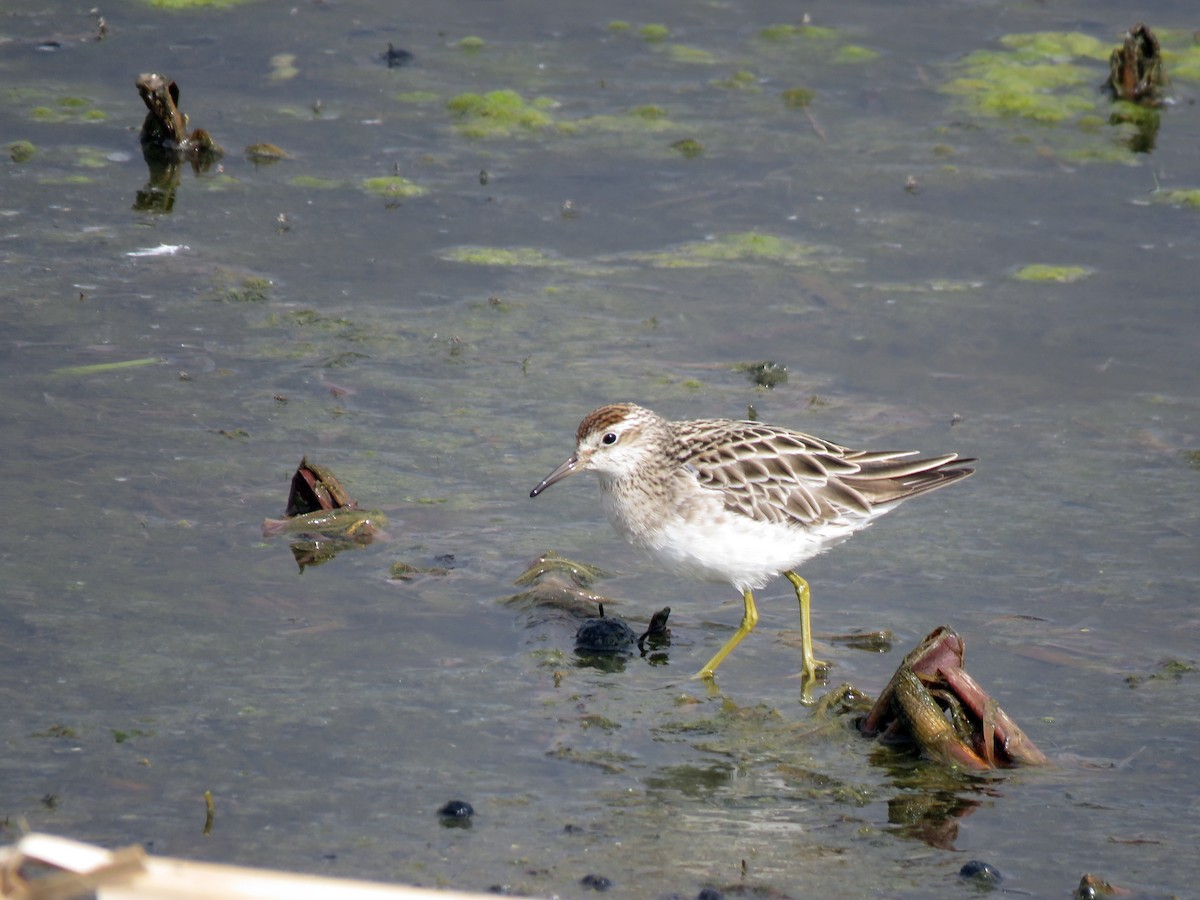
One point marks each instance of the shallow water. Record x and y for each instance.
(156, 647)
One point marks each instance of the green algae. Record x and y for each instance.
(21, 151)
(688, 148)
(1048, 80)
(314, 181)
(193, 4)
(649, 113)
(1056, 45)
(619, 25)
(853, 53)
(1179, 197)
(1055, 274)
(1169, 670)
(403, 571)
(392, 187)
(1001, 86)
(91, 158)
(229, 288)
(648, 119)
(741, 80)
(818, 44)
(1124, 112)
(744, 246)
(749, 245)
(808, 32)
(471, 42)
(685, 53)
(67, 179)
(1182, 64)
(1044, 77)
(503, 256)
(766, 373)
(1098, 153)
(122, 736)
(102, 368)
(415, 97)
(498, 114)
(654, 33)
(797, 98)
(68, 109)
(63, 732)
(266, 153)
(283, 67)
(221, 182)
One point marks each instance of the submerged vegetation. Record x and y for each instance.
(499, 114)
(736, 247)
(392, 187)
(68, 109)
(1057, 274)
(1047, 77)
(1054, 78)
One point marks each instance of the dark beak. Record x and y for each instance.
(567, 468)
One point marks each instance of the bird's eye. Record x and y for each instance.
(610, 438)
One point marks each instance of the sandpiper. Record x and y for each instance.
(739, 501)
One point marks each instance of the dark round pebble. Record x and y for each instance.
(710, 893)
(595, 882)
(456, 814)
(605, 635)
(980, 873)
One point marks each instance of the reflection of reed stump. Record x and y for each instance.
(166, 143)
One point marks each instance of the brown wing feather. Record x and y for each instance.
(780, 475)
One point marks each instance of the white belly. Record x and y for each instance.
(737, 550)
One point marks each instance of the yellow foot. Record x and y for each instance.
(817, 670)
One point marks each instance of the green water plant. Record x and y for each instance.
(784, 32)
(68, 109)
(1179, 197)
(393, 187)
(102, 368)
(193, 4)
(741, 80)
(1057, 274)
(21, 151)
(1044, 77)
(745, 247)
(314, 181)
(686, 53)
(498, 114)
(502, 256)
(688, 148)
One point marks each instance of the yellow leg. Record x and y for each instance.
(749, 620)
(811, 665)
